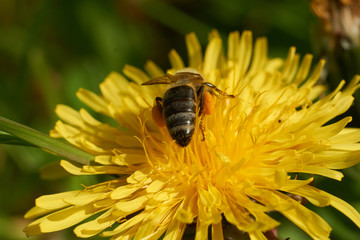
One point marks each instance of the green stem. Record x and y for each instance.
(44, 141)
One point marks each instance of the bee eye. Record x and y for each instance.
(208, 107)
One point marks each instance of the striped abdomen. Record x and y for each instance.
(179, 109)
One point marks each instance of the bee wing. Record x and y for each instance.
(165, 79)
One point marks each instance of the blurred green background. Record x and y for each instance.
(49, 49)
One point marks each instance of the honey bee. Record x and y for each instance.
(187, 97)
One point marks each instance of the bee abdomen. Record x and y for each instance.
(182, 134)
(178, 106)
(179, 100)
(180, 119)
(178, 92)
(179, 109)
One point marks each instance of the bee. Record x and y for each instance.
(187, 98)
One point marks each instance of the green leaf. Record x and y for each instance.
(33, 137)
(10, 139)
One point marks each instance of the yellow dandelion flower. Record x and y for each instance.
(255, 147)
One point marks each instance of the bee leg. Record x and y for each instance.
(157, 112)
(218, 91)
(202, 128)
(201, 93)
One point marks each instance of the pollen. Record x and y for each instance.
(208, 103)
(157, 116)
